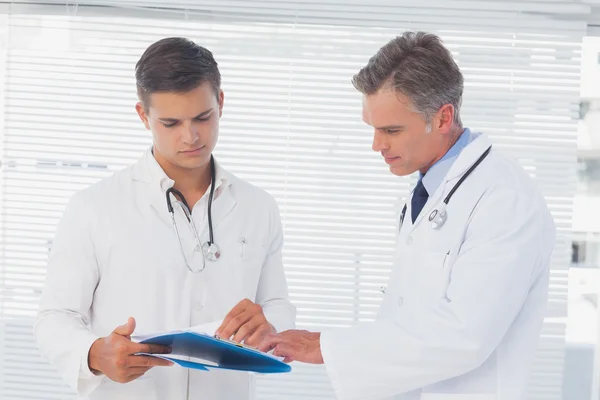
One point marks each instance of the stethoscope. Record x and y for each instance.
(438, 217)
(210, 250)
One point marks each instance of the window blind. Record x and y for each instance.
(291, 125)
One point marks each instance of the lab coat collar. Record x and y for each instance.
(437, 172)
(468, 156)
(156, 182)
(465, 160)
(152, 172)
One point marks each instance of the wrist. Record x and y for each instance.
(317, 341)
(93, 364)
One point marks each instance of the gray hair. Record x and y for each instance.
(419, 66)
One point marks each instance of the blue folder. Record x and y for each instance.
(221, 353)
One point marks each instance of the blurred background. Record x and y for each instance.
(292, 125)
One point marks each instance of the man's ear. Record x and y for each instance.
(444, 119)
(139, 108)
(221, 102)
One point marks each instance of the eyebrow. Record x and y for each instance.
(199, 116)
(391, 127)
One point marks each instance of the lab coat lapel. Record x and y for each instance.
(468, 157)
(465, 160)
(221, 208)
(431, 201)
(158, 201)
(226, 201)
(149, 195)
(154, 196)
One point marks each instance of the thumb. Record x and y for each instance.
(127, 329)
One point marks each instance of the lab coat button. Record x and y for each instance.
(409, 240)
(198, 307)
(400, 301)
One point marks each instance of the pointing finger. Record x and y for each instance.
(235, 323)
(284, 350)
(269, 342)
(235, 311)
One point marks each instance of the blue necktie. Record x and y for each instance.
(418, 200)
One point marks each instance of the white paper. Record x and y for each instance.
(207, 328)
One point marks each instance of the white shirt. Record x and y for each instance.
(116, 255)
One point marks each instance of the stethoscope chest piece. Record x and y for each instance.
(432, 215)
(212, 251)
(438, 218)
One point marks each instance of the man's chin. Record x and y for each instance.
(192, 162)
(192, 165)
(400, 170)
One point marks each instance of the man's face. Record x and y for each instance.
(185, 126)
(402, 136)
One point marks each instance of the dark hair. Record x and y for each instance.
(419, 66)
(175, 65)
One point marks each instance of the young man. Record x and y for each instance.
(462, 313)
(119, 265)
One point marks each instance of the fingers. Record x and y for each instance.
(259, 334)
(132, 367)
(284, 350)
(235, 311)
(128, 378)
(235, 323)
(248, 328)
(137, 371)
(150, 348)
(127, 329)
(146, 362)
(269, 343)
(134, 377)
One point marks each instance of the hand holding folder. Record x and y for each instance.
(198, 348)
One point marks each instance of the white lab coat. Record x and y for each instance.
(463, 310)
(116, 255)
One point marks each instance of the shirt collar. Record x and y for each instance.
(159, 178)
(437, 172)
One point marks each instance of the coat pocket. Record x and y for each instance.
(433, 277)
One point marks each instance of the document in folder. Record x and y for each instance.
(198, 348)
